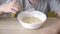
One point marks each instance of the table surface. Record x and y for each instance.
(12, 26)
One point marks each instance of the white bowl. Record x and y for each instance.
(38, 14)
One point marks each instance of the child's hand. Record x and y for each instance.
(12, 7)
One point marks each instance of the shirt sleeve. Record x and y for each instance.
(19, 1)
(55, 5)
(2, 1)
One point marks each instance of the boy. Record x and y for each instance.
(44, 6)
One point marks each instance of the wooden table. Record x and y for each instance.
(12, 26)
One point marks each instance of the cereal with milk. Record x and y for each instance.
(31, 20)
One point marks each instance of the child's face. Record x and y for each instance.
(34, 1)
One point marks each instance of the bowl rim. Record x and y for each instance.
(32, 23)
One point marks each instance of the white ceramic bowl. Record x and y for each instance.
(38, 14)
